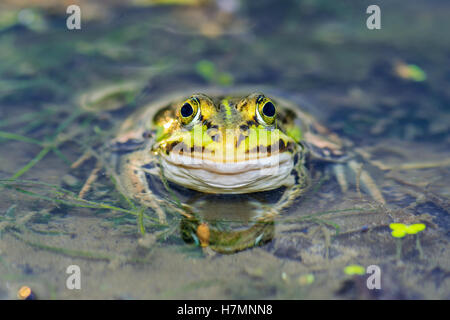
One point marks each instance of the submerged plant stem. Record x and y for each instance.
(18, 137)
(71, 200)
(399, 249)
(141, 221)
(419, 247)
(32, 163)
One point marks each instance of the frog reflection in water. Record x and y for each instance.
(218, 150)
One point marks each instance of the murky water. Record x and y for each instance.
(387, 91)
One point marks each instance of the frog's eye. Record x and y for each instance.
(265, 111)
(189, 111)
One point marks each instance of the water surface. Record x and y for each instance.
(386, 91)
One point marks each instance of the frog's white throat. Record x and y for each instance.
(265, 173)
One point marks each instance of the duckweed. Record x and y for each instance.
(399, 230)
(354, 269)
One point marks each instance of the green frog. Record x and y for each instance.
(222, 146)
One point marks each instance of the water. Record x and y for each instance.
(386, 91)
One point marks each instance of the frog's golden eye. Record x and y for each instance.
(265, 111)
(190, 111)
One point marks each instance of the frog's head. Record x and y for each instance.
(225, 145)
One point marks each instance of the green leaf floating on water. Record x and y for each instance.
(399, 230)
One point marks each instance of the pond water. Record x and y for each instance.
(63, 94)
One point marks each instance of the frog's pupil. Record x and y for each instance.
(269, 109)
(186, 110)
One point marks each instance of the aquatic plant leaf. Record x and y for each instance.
(354, 269)
(415, 228)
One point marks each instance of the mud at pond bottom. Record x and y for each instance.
(180, 271)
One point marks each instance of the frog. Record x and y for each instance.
(226, 143)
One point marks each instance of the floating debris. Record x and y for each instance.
(410, 72)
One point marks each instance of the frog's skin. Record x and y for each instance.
(227, 146)
(222, 143)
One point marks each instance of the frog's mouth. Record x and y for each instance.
(209, 176)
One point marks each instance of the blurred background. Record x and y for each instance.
(387, 91)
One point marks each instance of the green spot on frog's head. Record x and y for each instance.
(225, 142)
(225, 130)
